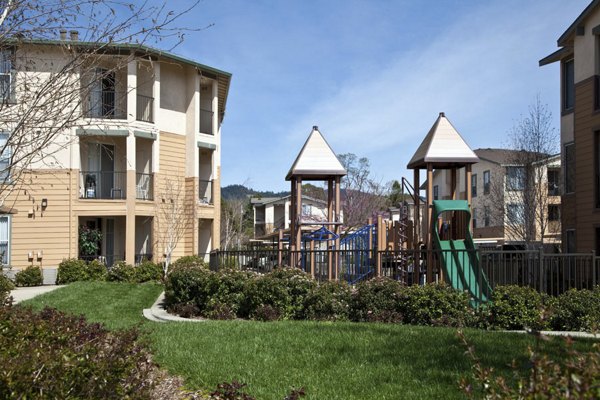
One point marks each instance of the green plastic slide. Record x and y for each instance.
(460, 260)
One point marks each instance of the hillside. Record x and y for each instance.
(232, 192)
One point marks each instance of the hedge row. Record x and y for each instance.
(289, 293)
(73, 270)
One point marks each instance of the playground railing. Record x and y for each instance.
(548, 273)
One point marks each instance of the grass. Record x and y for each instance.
(331, 360)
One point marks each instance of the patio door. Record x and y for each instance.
(109, 241)
(101, 164)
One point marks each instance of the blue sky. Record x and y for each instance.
(373, 75)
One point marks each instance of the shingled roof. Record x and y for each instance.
(316, 160)
(443, 147)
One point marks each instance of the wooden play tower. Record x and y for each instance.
(442, 148)
(315, 162)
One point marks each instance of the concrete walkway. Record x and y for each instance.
(25, 293)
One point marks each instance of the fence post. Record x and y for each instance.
(541, 269)
(594, 277)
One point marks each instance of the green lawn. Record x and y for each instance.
(331, 360)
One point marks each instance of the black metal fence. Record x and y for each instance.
(144, 108)
(103, 185)
(474, 270)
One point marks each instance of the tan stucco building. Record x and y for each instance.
(147, 126)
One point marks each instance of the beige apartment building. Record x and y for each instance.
(579, 58)
(148, 135)
(497, 187)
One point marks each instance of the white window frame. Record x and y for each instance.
(5, 157)
(6, 258)
(7, 71)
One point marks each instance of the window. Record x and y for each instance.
(486, 216)
(5, 156)
(569, 241)
(553, 212)
(486, 182)
(568, 85)
(515, 178)
(570, 168)
(553, 182)
(436, 192)
(515, 213)
(5, 239)
(474, 185)
(6, 76)
(474, 217)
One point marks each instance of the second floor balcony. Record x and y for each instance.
(206, 192)
(103, 185)
(145, 107)
(206, 121)
(106, 104)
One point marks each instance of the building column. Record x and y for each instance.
(130, 200)
(429, 222)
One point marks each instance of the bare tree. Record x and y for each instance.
(522, 199)
(48, 82)
(363, 195)
(234, 223)
(173, 219)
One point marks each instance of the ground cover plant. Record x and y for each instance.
(341, 360)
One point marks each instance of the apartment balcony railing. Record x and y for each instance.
(145, 105)
(206, 125)
(103, 104)
(206, 192)
(107, 259)
(553, 190)
(144, 186)
(103, 185)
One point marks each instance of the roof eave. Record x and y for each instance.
(564, 38)
(558, 55)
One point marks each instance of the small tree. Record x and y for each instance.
(363, 195)
(236, 222)
(174, 217)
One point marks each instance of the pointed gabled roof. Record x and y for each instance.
(443, 147)
(316, 160)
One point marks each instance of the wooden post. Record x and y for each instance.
(417, 225)
(293, 224)
(330, 218)
(453, 183)
(280, 247)
(336, 227)
(298, 232)
(380, 243)
(312, 259)
(468, 192)
(429, 222)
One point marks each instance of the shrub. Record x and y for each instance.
(121, 272)
(71, 270)
(377, 300)
(52, 355)
(517, 307)
(189, 261)
(189, 285)
(283, 289)
(6, 285)
(329, 301)
(30, 276)
(95, 271)
(148, 271)
(228, 290)
(576, 310)
(435, 304)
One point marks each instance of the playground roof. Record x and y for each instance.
(443, 147)
(316, 160)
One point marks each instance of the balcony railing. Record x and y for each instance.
(103, 104)
(103, 185)
(145, 105)
(144, 186)
(206, 192)
(206, 125)
(107, 259)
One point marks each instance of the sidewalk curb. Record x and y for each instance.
(157, 313)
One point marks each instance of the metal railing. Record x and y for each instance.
(547, 273)
(107, 259)
(144, 108)
(103, 185)
(144, 186)
(206, 124)
(205, 191)
(141, 257)
(103, 104)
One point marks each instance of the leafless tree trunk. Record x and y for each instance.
(46, 81)
(233, 229)
(173, 217)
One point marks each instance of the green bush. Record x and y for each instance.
(30, 276)
(121, 272)
(227, 291)
(329, 301)
(284, 290)
(51, 355)
(577, 310)
(6, 285)
(189, 261)
(435, 304)
(71, 270)
(517, 307)
(95, 271)
(148, 271)
(187, 285)
(378, 300)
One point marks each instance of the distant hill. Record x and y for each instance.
(232, 192)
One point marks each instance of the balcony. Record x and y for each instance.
(206, 118)
(105, 104)
(103, 185)
(205, 192)
(145, 106)
(144, 186)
